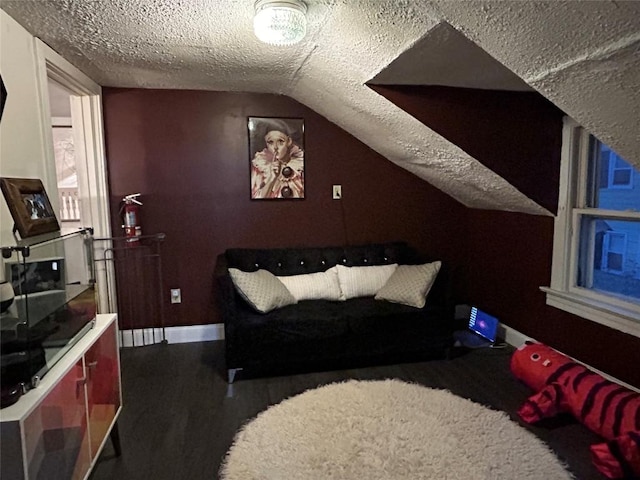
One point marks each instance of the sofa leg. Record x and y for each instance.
(231, 374)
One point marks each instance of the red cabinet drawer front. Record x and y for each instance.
(103, 386)
(56, 436)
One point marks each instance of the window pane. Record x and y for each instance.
(604, 170)
(614, 183)
(609, 258)
(616, 242)
(614, 262)
(622, 177)
(620, 163)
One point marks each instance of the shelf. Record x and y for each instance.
(54, 301)
(25, 244)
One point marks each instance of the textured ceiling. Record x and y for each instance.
(584, 56)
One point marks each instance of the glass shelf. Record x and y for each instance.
(54, 304)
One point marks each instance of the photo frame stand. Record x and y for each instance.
(29, 206)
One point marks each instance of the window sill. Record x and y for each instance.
(613, 316)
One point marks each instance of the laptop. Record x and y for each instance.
(482, 331)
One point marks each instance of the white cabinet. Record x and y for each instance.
(57, 430)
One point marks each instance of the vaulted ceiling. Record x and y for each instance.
(584, 56)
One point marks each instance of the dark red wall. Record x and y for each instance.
(515, 134)
(518, 135)
(187, 153)
(510, 258)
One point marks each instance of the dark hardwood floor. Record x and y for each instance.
(180, 416)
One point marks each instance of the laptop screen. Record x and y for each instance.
(483, 324)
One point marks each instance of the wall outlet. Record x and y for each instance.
(176, 296)
(337, 192)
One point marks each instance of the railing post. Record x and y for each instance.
(69, 204)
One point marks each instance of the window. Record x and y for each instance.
(596, 251)
(614, 171)
(613, 248)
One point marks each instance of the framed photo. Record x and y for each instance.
(276, 158)
(29, 206)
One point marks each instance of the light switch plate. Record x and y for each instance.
(337, 192)
(176, 296)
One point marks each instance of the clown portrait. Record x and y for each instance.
(277, 158)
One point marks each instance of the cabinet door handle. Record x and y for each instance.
(90, 367)
(79, 384)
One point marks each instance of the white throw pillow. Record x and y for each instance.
(314, 286)
(363, 281)
(410, 284)
(261, 289)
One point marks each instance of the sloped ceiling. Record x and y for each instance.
(583, 56)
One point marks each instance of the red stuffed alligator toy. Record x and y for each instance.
(609, 409)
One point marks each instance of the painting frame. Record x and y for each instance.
(29, 206)
(276, 158)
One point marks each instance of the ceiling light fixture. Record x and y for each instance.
(280, 22)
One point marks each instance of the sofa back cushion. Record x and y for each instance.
(297, 261)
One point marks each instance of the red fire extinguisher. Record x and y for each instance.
(131, 218)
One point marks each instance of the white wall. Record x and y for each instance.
(26, 144)
(22, 142)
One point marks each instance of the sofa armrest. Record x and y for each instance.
(225, 290)
(449, 289)
(442, 291)
(228, 300)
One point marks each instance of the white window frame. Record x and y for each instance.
(564, 292)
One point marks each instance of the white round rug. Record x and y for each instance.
(386, 430)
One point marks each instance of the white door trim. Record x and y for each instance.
(86, 112)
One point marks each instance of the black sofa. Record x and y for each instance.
(325, 335)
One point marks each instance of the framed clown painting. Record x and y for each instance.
(276, 153)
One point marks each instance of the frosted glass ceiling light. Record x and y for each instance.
(280, 22)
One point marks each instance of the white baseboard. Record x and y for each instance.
(515, 338)
(192, 333)
(512, 336)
